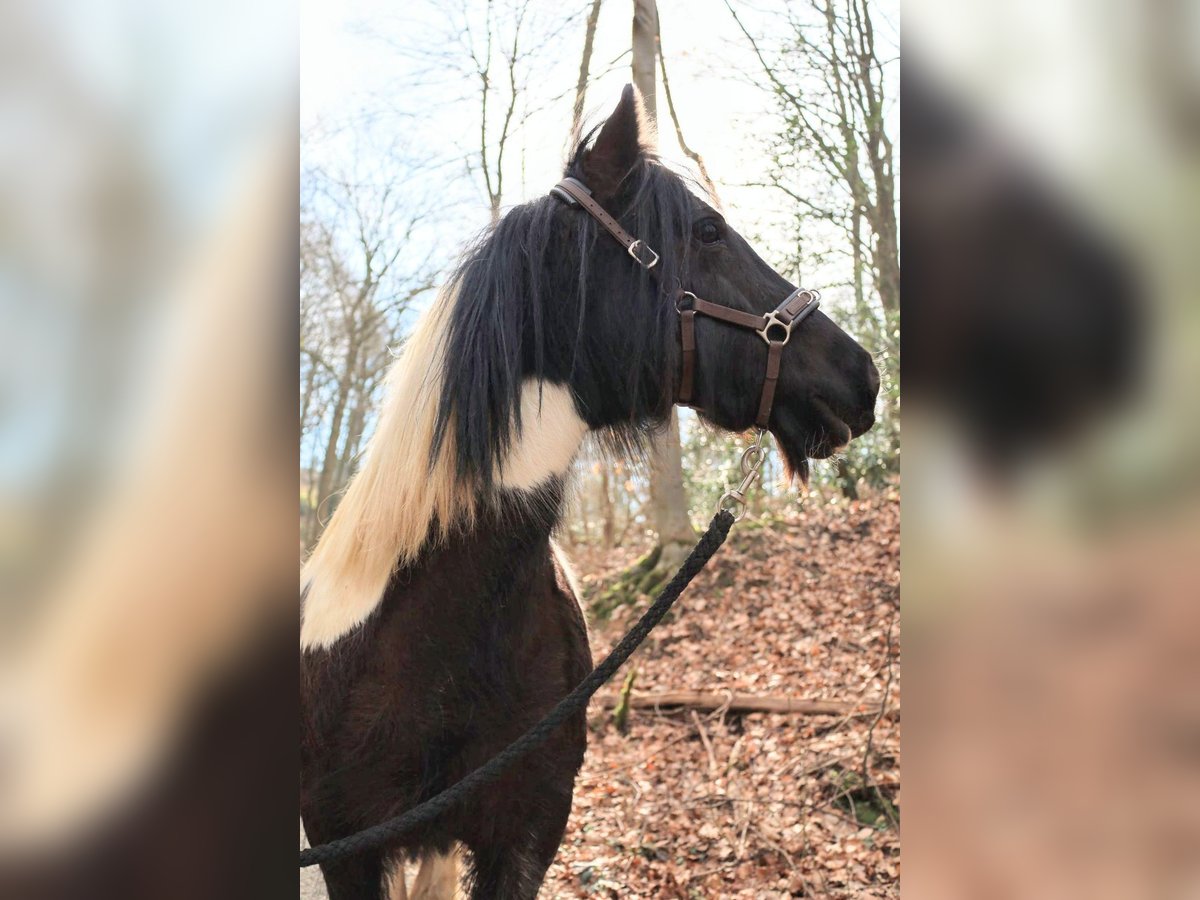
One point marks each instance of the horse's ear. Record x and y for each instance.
(618, 147)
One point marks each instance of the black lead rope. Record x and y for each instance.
(577, 700)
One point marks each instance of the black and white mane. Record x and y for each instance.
(547, 295)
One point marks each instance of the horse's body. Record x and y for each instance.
(438, 623)
(471, 645)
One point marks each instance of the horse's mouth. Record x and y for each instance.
(835, 433)
(816, 432)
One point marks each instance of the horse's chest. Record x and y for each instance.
(511, 634)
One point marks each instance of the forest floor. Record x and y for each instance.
(708, 804)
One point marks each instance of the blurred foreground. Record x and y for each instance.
(147, 444)
(1051, 517)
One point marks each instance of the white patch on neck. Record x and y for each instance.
(551, 432)
(348, 572)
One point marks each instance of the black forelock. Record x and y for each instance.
(547, 293)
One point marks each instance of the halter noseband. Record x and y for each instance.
(774, 327)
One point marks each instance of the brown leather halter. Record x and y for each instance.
(774, 327)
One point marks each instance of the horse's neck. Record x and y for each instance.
(488, 575)
(550, 435)
(514, 524)
(349, 571)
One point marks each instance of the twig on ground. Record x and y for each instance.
(712, 759)
(663, 701)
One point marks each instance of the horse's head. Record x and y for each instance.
(548, 329)
(1024, 322)
(827, 383)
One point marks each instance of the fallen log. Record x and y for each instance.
(733, 702)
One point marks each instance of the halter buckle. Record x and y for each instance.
(774, 321)
(635, 250)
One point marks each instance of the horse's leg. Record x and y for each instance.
(359, 877)
(514, 869)
(503, 872)
(437, 878)
(518, 824)
(397, 885)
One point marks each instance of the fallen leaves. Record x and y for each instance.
(754, 805)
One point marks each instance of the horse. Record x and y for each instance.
(1025, 328)
(440, 621)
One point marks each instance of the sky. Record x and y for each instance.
(355, 57)
(123, 124)
(342, 61)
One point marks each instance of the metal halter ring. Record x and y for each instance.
(773, 321)
(679, 297)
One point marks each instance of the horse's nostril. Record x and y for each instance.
(872, 377)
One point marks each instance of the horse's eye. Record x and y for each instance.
(707, 231)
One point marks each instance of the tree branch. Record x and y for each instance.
(683, 145)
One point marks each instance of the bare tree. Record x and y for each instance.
(691, 154)
(829, 80)
(671, 519)
(500, 50)
(645, 50)
(585, 65)
(356, 284)
(481, 65)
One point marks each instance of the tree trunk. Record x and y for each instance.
(354, 431)
(846, 480)
(860, 301)
(330, 463)
(606, 508)
(311, 525)
(887, 245)
(645, 30)
(674, 526)
(585, 65)
(310, 386)
(675, 534)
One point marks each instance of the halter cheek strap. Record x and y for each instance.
(774, 327)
